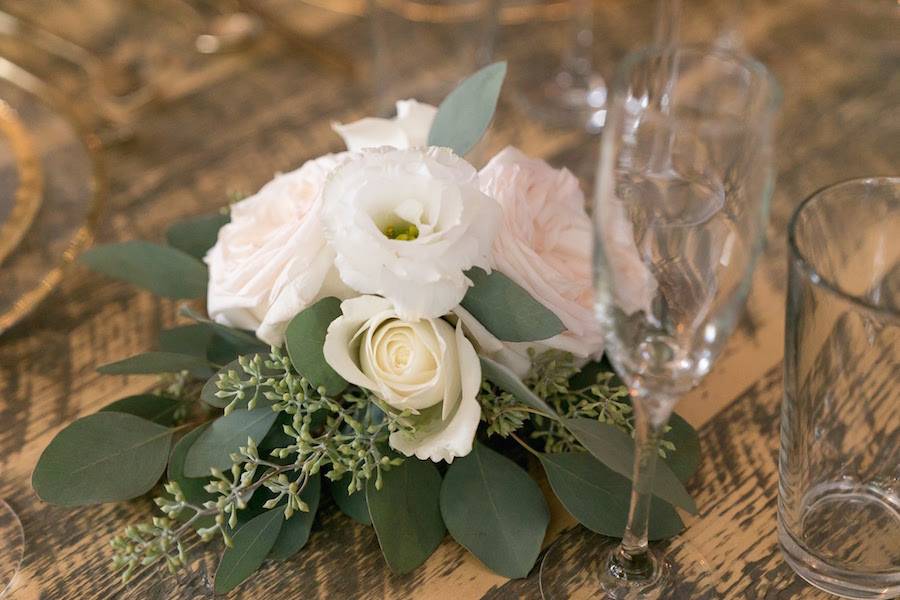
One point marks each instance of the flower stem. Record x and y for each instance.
(525, 445)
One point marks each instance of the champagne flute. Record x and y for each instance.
(681, 205)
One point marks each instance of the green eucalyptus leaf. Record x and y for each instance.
(163, 270)
(464, 115)
(192, 487)
(104, 457)
(509, 382)
(295, 531)
(615, 448)
(252, 544)
(599, 498)
(305, 337)
(196, 235)
(243, 342)
(493, 508)
(159, 409)
(406, 513)
(685, 459)
(507, 310)
(221, 351)
(224, 436)
(187, 339)
(158, 362)
(353, 505)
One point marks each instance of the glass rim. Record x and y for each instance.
(743, 59)
(806, 264)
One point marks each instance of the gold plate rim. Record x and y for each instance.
(29, 193)
(84, 235)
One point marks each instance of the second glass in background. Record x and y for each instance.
(839, 465)
(424, 48)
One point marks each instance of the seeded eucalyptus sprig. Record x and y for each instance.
(555, 378)
(339, 436)
(552, 378)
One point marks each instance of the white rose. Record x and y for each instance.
(409, 129)
(423, 366)
(272, 260)
(544, 245)
(407, 224)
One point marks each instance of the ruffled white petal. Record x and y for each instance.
(433, 189)
(415, 118)
(409, 129)
(371, 132)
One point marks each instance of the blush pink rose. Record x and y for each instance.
(544, 243)
(272, 260)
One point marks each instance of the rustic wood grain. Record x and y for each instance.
(268, 109)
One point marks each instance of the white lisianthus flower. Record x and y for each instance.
(407, 224)
(424, 367)
(272, 260)
(409, 129)
(544, 245)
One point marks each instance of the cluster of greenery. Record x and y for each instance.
(255, 471)
(344, 438)
(248, 453)
(247, 438)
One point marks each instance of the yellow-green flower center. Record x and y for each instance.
(401, 231)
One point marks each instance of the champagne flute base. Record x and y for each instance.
(564, 574)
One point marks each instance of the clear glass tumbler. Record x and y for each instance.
(839, 465)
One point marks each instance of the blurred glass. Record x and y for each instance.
(561, 85)
(12, 547)
(839, 465)
(424, 48)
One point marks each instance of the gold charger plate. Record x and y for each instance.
(52, 186)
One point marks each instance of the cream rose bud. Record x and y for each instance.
(407, 224)
(425, 366)
(544, 244)
(409, 129)
(272, 261)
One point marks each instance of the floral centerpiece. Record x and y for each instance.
(391, 324)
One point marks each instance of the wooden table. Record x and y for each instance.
(269, 109)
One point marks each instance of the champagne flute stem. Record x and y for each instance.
(632, 560)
